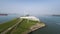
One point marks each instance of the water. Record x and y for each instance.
(52, 25)
(7, 18)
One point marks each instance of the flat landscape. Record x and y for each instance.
(21, 28)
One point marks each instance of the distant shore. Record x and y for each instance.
(55, 15)
(3, 14)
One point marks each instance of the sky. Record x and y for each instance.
(32, 7)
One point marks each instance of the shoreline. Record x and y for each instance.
(26, 26)
(34, 28)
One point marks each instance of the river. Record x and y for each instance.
(52, 25)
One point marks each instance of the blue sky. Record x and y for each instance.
(33, 7)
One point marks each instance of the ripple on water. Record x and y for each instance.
(58, 23)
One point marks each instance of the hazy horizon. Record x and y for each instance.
(33, 7)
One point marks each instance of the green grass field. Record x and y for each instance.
(8, 24)
(24, 26)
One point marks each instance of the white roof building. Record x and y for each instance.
(30, 18)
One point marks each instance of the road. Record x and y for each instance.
(10, 28)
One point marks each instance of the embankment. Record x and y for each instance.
(27, 26)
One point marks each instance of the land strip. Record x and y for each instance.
(23, 26)
(8, 29)
(27, 26)
(8, 24)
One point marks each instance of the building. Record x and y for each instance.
(30, 18)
